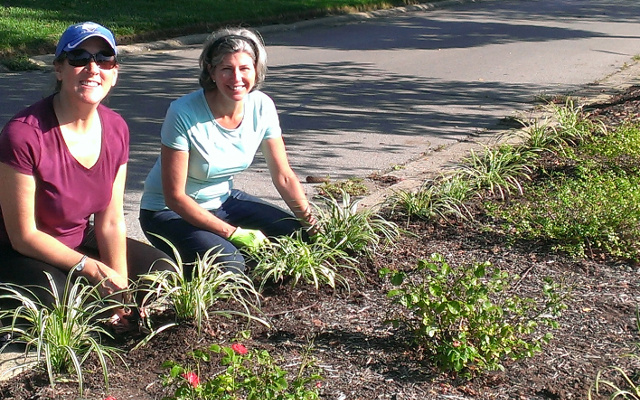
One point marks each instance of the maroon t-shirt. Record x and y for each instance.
(67, 193)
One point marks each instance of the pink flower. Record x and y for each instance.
(192, 378)
(110, 398)
(239, 348)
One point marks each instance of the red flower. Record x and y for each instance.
(239, 348)
(110, 398)
(192, 378)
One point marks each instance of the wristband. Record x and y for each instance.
(80, 265)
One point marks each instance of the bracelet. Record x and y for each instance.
(80, 265)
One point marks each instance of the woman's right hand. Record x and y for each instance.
(109, 280)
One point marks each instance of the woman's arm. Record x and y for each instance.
(17, 199)
(285, 180)
(175, 164)
(111, 229)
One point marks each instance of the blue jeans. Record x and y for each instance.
(240, 209)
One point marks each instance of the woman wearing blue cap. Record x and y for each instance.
(62, 161)
(207, 137)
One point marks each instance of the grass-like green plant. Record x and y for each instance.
(588, 202)
(66, 333)
(250, 374)
(341, 225)
(195, 299)
(542, 136)
(628, 389)
(291, 258)
(467, 319)
(500, 170)
(625, 387)
(441, 198)
(573, 126)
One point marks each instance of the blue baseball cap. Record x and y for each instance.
(78, 33)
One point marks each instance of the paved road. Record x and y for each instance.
(364, 93)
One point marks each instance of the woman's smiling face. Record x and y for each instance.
(235, 75)
(90, 83)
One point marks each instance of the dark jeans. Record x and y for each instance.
(240, 209)
(28, 272)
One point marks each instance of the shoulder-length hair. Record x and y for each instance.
(227, 41)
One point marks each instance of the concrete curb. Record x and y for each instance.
(45, 61)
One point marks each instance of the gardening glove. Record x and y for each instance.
(250, 238)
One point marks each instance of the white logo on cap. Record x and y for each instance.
(89, 27)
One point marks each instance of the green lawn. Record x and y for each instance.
(29, 27)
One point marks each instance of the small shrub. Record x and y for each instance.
(247, 374)
(467, 320)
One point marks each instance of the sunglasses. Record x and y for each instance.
(81, 57)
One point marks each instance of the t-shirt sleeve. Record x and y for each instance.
(270, 116)
(174, 132)
(20, 147)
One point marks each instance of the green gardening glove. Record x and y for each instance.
(251, 238)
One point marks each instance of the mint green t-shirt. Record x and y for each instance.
(215, 153)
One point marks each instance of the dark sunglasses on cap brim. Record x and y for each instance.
(80, 58)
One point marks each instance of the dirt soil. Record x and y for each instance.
(361, 357)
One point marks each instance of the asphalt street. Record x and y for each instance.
(368, 92)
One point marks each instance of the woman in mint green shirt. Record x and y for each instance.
(207, 137)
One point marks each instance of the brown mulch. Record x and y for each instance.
(362, 357)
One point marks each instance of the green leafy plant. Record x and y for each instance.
(594, 211)
(194, 299)
(247, 374)
(66, 333)
(342, 226)
(352, 186)
(290, 257)
(440, 198)
(466, 318)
